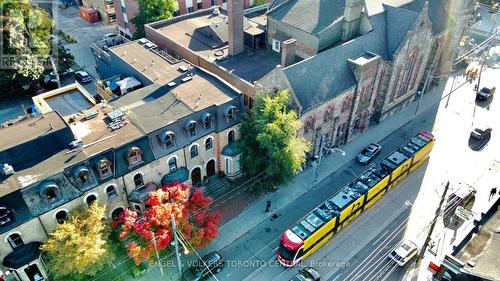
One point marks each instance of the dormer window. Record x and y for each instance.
(6, 216)
(82, 175)
(134, 156)
(51, 194)
(230, 113)
(207, 121)
(104, 168)
(49, 191)
(191, 128)
(168, 138)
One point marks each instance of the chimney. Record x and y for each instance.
(288, 49)
(235, 26)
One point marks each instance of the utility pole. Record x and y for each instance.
(54, 67)
(176, 243)
(428, 238)
(157, 255)
(425, 86)
(318, 162)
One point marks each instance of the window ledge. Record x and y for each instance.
(130, 167)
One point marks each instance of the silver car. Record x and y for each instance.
(368, 153)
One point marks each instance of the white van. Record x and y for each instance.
(403, 253)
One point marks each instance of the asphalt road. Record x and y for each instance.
(371, 263)
(254, 253)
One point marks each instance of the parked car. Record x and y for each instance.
(403, 253)
(109, 36)
(485, 93)
(306, 274)
(480, 134)
(83, 77)
(461, 197)
(67, 73)
(49, 82)
(368, 153)
(210, 264)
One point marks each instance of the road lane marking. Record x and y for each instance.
(380, 238)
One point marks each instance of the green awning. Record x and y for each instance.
(231, 149)
(180, 175)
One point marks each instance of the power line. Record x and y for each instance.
(181, 236)
(455, 201)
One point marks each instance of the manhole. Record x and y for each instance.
(274, 216)
(267, 230)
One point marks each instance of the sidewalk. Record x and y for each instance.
(449, 239)
(254, 215)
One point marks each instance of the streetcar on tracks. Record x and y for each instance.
(318, 226)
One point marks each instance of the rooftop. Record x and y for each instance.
(311, 16)
(178, 90)
(205, 34)
(30, 129)
(482, 250)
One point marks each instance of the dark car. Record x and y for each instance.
(83, 77)
(485, 93)
(306, 274)
(210, 264)
(480, 134)
(368, 153)
(479, 138)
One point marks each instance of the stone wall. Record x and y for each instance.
(307, 44)
(413, 53)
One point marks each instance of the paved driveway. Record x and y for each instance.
(69, 21)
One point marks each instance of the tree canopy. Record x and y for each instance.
(151, 11)
(190, 209)
(79, 246)
(26, 45)
(269, 138)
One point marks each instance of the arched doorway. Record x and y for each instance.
(196, 176)
(211, 168)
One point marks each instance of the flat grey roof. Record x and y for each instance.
(30, 129)
(249, 66)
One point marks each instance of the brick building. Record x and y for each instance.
(179, 126)
(127, 9)
(346, 63)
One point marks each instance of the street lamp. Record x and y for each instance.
(318, 162)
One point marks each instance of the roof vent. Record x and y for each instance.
(143, 40)
(7, 170)
(187, 78)
(76, 144)
(150, 45)
(216, 11)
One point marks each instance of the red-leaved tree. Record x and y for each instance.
(190, 209)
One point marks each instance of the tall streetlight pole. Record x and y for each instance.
(176, 243)
(320, 155)
(156, 250)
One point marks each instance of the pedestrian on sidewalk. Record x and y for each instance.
(492, 193)
(268, 205)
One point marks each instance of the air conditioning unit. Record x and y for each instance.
(7, 170)
(76, 144)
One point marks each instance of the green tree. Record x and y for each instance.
(151, 11)
(25, 45)
(79, 247)
(269, 138)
